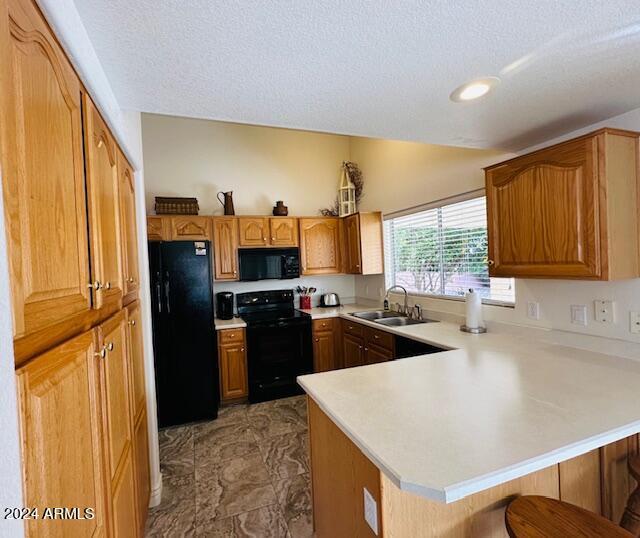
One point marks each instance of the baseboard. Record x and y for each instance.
(156, 492)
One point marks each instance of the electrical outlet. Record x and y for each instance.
(370, 510)
(604, 311)
(634, 322)
(579, 314)
(533, 310)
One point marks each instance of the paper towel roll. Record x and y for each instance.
(474, 310)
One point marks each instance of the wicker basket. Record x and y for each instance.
(176, 206)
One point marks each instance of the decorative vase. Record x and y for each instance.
(280, 210)
(227, 202)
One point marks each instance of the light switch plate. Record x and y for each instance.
(634, 322)
(370, 510)
(604, 311)
(579, 314)
(533, 310)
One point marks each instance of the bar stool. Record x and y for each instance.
(532, 516)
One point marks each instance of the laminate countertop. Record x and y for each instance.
(492, 408)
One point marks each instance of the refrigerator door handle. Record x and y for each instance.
(167, 291)
(158, 292)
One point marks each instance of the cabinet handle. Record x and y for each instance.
(491, 262)
(241, 349)
(231, 335)
(264, 239)
(359, 347)
(102, 353)
(131, 279)
(273, 239)
(95, 285)
(107, 285)
(376, 336)
(110, 346)
(132, 322)
(366, 349)
(358, 265)
(317, 339)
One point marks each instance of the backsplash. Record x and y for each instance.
(343, 285)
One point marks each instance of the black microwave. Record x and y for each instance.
(269, 263)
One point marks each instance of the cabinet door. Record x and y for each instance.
(125, 521)
(190, 228)
(61, 437)
(129, 236)
(320, 245)
(254, 231)
(324, 351)
(157, 228)
(115, 383)
(225, 247)
(43, 175)
(136, 359)
(284, 232)
(375, 354)
(141, 470)
(353, 351)
(104, 210)
(352, 239)
(543, 213)
(233, 371)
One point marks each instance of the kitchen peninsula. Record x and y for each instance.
(443, 442)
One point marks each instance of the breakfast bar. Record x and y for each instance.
(437, 445)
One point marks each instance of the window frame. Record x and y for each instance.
(390, 267)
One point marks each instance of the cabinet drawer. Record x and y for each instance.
(228, 336)
(323, 325)
(350, 327)
(378, 338)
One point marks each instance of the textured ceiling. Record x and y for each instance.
(375, 68)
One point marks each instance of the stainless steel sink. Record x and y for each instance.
(401, 321)
(373, 315)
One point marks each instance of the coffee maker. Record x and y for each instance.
(224, 305)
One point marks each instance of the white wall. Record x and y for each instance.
(400, 175)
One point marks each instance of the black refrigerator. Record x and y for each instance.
(184, 339)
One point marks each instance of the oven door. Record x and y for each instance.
(276, 354)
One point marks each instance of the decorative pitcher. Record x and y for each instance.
(227, 202)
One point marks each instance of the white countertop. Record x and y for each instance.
(496, 407)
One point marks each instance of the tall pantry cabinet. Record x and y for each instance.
(69, 214)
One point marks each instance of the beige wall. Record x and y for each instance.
(188, 157)
(399, 175)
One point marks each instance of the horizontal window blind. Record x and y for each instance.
(442, 251)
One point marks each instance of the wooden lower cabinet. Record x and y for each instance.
(141, 469)
(326, 354)
(61, 434)
(232, 359)
(352, 351)
(125, 522)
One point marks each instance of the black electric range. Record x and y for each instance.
(279, 345)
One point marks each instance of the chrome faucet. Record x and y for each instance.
(406, 299)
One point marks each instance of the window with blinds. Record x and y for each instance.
(442, 251)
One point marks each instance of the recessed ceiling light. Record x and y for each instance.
(474, 89)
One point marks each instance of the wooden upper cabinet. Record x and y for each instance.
(127, 191)
(190, 228)
(43, 175)
(353, 262)
(61, 437)
(157, 228)
(225, 248)
(284, 231)
(568, 211)
(104, 208)
(320, 245)
(363, 244)
(254, 231)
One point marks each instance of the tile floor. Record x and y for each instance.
(245, 474)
